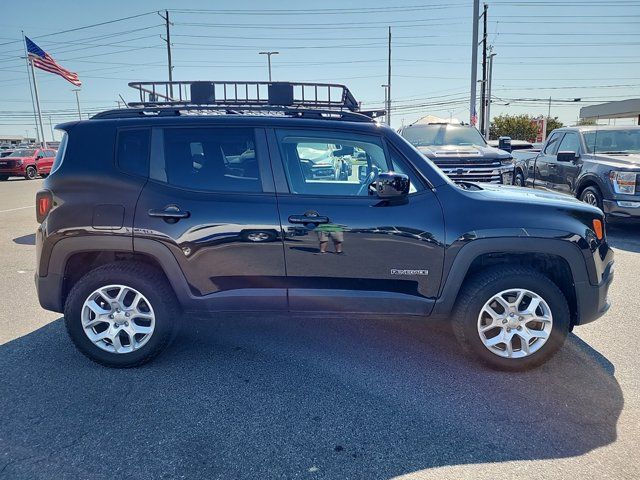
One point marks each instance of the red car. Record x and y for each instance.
(27, 163)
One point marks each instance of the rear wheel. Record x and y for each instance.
(121, 314)
(592, 196)
(30, 173)
(511, 318)
(518, 179)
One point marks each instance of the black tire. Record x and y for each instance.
(480, 288)
(30, 172)
(4, 178)
(145, 279)
(592, 196)
(518, 179)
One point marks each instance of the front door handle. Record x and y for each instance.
(315, 219)
(170, 213)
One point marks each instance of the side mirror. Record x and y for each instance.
(392, 186)
(567, 156)
(504, 143)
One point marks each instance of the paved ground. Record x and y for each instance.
(275, 397)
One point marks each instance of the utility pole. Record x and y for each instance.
(488, 112)
(549, 111)
(76, 90)
(168, 41)
(474, 63)
(483, 93)
(386, 99)
(53, 138)
(268, 54)
(389, 82)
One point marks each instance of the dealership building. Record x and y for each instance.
(612, 110)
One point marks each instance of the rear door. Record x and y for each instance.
(210, 200)
(545, 168)
(345, 249)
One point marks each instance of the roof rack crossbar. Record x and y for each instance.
(245, 94)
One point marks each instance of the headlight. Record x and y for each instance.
(623, 182)
(507, 161)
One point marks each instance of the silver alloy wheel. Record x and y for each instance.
(515, 323)
(258, 236)
(590, 198)
(118, 318)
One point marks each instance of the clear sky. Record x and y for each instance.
(563, 49)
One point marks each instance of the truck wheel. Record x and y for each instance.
(30, 173)
(518, 179)
(122, 314)
(592, 196)
(511, 318)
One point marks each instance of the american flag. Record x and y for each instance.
(43, 60)
(474, 117)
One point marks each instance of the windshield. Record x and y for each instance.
(23, 153)
(440, 135)
(624, 140)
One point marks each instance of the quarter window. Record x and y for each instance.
(211, 159)
(133, 151)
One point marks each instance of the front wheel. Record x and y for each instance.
(518, 179)
(30, 173)
(511, 318)
(121, 314)
(592, 196)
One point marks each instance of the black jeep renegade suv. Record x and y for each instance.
(199, 200)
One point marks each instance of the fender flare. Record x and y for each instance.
(459, 265)
(591, 178)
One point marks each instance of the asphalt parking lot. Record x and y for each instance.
(282, 397)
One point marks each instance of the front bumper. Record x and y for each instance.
(12, 171)
(593, 300)
(621, 209)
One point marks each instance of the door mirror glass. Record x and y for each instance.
(567, 156)
(392, 186)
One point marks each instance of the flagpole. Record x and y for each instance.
(33, 105)
(35, 89)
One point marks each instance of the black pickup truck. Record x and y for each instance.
(599, 165)
(461, 152)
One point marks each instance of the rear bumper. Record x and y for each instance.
(593, 300)
(614, 210)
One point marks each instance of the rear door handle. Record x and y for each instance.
(315, 219)
(169, 213)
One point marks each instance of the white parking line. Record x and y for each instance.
(14, 209)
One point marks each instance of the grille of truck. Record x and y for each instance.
(489, 172)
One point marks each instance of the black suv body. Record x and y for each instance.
(155, 216)
(597, 164)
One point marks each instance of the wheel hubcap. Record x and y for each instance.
(591, 199)
(258, 236)
(515, 323)
(118, 319)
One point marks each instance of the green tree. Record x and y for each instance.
(518, 127)
(587, 121)
(552, 124)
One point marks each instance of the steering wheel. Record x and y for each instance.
(367, 181)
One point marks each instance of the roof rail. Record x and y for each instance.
(245, 94)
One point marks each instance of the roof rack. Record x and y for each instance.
(309, 100)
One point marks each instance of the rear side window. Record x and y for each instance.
(212, 159)
(133, 151)
(60, 153)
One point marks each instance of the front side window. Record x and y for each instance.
(133, 151)
(570, 143)
(552, 144)
(319, 163)
(212, 159)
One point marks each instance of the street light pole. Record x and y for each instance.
(487, 123)
(76, 90)
(268, 54)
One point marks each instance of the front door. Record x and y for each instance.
(545, 168)
(210, 200)
(567, 172)
(345, 249)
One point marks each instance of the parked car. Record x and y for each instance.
(399, 238)
(461, 152)
(5, 153)
(515, 144)
(27, 163)
(599, 165)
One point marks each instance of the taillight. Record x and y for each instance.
(44, 202)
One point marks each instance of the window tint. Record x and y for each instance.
(60, 153)
(319, 163)
(570, 143)
(211, 159)
(552, 144)
(133, 151)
